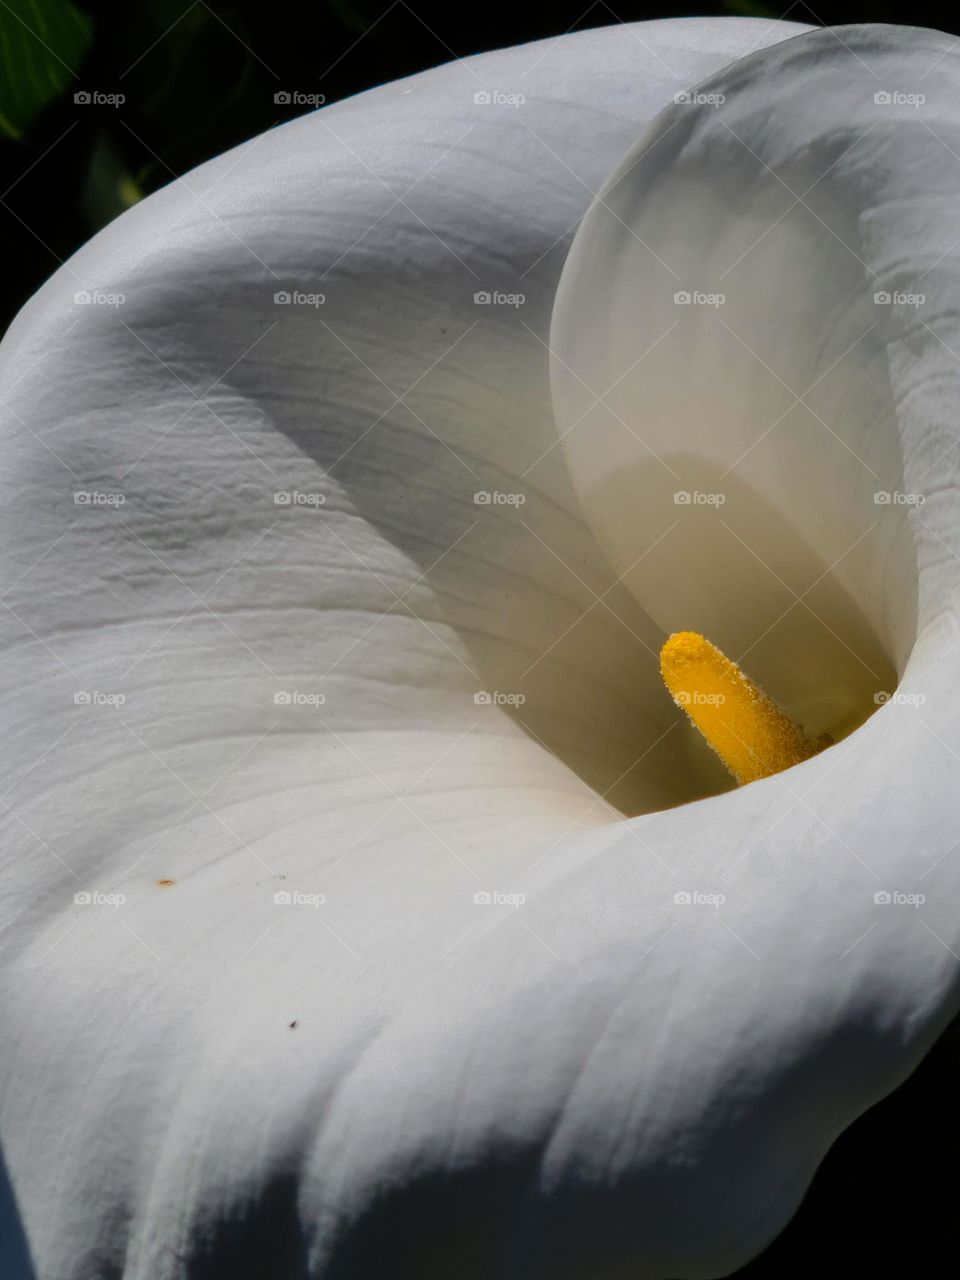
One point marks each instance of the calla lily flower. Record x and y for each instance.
(368, 906)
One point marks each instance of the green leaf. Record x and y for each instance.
(109, 187)
(42, 44)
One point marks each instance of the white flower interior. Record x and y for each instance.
(721, 382)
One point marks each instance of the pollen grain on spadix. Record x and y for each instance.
(745, 727)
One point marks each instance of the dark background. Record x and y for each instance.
(199, 78)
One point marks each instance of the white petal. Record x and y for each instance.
(597, 1079)
(802, 398)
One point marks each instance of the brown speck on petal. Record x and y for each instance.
(165, 884)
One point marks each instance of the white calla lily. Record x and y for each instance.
(347, 926)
